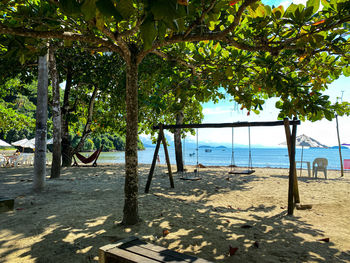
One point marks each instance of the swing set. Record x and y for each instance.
(293, 192)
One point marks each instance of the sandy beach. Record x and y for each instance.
(81, 212)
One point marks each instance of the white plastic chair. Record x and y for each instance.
(319, 164)
(21, 159)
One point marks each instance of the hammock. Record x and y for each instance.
(92, 158)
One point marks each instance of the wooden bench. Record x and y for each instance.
(132, 249)
(6, 204)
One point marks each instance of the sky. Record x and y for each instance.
(324, 131)
(225, 111)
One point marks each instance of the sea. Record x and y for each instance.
(222, 156)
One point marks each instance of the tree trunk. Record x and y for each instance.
(56, 117)
(178, 144)
(41, 126)
(87, 129)
(131, 215)
(67, 151)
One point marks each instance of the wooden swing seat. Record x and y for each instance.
(249, 171)
(191, 178)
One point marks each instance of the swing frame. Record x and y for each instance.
(293, 192)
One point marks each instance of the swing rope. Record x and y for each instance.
(233, 152)
(250, 164)
(183, 155)
(197, 146)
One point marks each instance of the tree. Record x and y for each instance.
(56, 116)
(133, 29)
(41, 126)
(93, 95)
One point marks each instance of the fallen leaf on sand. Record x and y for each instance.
(232, 250)
(165, 232)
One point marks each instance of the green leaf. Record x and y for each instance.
(22, 59)
(107, 8)
(100, 22)
(231, 18)
(314, 4)
(161, 30)
(325, 3)
(125, 8)
(89, 9)
(148, 33)
(346, 71)
(70, 7)
(278, 11)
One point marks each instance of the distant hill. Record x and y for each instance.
(205, 146)
(336, 147)
(221, 147)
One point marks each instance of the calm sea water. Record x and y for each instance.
(261, 157)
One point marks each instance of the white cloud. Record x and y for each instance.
(217, 110)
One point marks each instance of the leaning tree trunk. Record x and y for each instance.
(177, 142)
(131, 215)
(56, 117)
(67, 151)
(41, 126)
(87, 129)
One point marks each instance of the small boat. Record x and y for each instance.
(207, 150)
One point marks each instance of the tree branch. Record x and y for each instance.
(200, 19)
(60, 35)
(179, 61)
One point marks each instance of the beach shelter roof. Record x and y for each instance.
(25, 143)
(20, 142)
(306, 141)
(29, 144)
(4, 144)
(303, 140)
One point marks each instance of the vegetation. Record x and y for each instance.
(252, 50)
(18, 119)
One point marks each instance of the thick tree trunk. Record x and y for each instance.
(56, 117)
(178, 144)
(131, 215)
(41, 126)
(67, 151)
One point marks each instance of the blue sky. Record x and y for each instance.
(324, 130)
(225, 111)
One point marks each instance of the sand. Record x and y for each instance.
(81, 212)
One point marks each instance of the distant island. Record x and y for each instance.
(221, 147)
(336, 147)
(205, 146)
